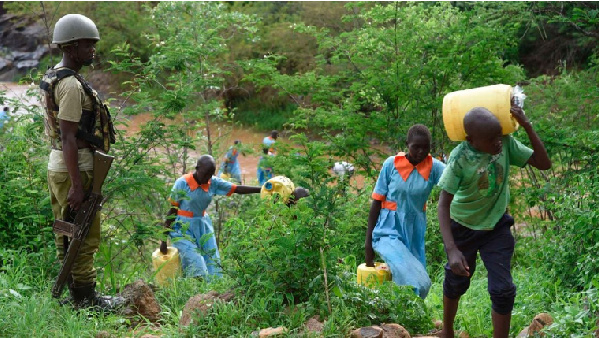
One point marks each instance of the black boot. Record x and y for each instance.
(85, 297)
(69, 299)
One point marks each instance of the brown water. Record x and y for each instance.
(248, 163)
(247, 136)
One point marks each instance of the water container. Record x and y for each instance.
(167, 265)
(280, 185)
(495, 98)
(371, 276)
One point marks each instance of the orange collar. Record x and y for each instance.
(189, 178)
(404, 166)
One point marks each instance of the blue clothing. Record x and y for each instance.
(263, 172)
(3, 118)
(399, 235)
(231, 165)
(199, 253)
(268, 142)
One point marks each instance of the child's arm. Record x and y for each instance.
(373, 215)
(244, 189)
(456, 260)
(539, 159)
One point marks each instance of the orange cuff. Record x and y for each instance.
(174, 203)
(233, 186)
(378, 197)
(389, 205)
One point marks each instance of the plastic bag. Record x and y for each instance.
(518, 96)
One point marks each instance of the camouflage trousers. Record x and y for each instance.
(83, 271)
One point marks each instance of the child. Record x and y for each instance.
(396, 225)
(231, 165)
(190, 196)
(472, 211)
(264, 171)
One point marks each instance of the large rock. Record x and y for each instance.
(537, 324)
(394, 331)
(272, 331)
(140, 300)
(200, 304)
(313, 325)
(23, 43)
(367, 332)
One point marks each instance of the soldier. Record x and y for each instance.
(77, 124)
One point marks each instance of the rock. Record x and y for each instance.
(538, 323)
(140, 300)
(394, 331)
(268, 332)
(103, 334)
(314, 325)
(201, 303)
(367, 332)
(523, 333)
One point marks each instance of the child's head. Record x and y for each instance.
(418, 141)
(297, 195)
(274, 134)
(205, 168)
(483, 130)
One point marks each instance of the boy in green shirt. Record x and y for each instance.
(472, 211)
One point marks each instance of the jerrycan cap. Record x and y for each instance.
(269, 186)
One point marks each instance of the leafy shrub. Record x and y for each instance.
(25, 211)
(387, 303)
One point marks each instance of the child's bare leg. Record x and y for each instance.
(450, 308)
(501, 324)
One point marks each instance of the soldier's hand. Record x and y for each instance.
(75, 197)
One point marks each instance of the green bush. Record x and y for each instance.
(25, 212)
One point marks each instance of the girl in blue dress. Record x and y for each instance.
(396, 224)
(231, 165)
(192, 231)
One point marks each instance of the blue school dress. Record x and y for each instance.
(399, 235)
(231, 165)
(268, 142)
(263, 173)
(199, 253)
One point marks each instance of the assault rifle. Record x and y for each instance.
(79, 226)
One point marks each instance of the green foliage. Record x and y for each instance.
(264, 118)
(381, 69)
(25, 212)
(567, 196)
(392, 71)
(387, 303)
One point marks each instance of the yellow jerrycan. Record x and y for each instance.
(280, 185)
(496, 98)
(167, 266)
(371, 276)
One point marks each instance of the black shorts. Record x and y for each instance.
(496, 248)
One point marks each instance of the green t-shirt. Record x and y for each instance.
(479, 182)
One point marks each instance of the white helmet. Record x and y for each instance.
(73, 27)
